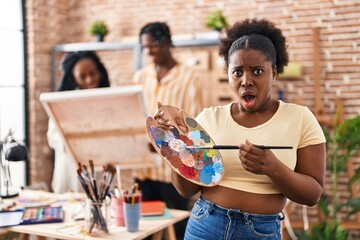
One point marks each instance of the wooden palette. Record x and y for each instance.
(202, 167)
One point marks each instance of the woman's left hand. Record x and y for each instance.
(256, 160)
(166, 124)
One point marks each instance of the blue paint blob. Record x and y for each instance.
(193, 135)
(160, 143)
(206, 178)
(218, 167)
(208, 170)
(157, 133)
(216, 178)
(191, 151)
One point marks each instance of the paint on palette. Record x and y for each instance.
(199, 165)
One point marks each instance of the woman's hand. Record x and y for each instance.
(256, 160)
(165, 122)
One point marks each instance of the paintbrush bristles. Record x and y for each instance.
(89, 183)
(91, 163)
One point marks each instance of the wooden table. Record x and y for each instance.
(70, 229)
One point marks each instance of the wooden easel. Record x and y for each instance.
(318, 106)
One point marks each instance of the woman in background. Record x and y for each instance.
(80, 70)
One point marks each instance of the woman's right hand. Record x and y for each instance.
(166, 124)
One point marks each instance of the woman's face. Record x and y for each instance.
(86, 74)
(153, 49)
(250, 76)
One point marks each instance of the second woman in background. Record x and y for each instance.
(80, 70)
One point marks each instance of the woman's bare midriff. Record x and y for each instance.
(244, 201)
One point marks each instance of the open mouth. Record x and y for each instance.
(249, 99)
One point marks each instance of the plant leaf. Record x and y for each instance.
(353, 204)
(355, 178)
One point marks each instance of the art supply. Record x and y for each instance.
(118, 176)
(132, 216)
(117, 209)
(153, 208)
(96, 211)
(10, 218)
(200, 166)
(97, 216)
(47, 214)
(224, 147)
(132, 195)
(132, 208)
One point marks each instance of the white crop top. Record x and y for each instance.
(291, 125)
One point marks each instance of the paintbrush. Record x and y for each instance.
(224, 147)
(110, 172)
(92, 171)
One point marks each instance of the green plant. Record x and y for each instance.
(344, 142)
(99, 28)
(216, 20)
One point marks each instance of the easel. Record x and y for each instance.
(319, 105)
(106, 125)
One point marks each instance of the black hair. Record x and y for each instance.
(256, 34)
(67, 82)
(159, 31)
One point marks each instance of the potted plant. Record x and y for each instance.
(99, 29)
(216, 21)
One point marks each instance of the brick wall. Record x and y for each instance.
(64, 21)
(46, 25)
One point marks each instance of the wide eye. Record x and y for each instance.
(258, 71)
(237, 73)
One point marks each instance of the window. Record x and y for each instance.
(12, 80)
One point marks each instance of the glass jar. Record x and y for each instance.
(97, 216)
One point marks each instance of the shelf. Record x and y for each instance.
(111, 46)
(93, 46)
(114, 46)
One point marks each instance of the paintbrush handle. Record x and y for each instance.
(273, 147)
(224, 147)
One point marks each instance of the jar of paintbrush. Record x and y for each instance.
(97, 216)
(97, 205)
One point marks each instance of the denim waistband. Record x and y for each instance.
(237, 213)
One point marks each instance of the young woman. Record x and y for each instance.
(248, 202)
(80, 70)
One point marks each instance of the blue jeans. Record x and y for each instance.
(210, 221)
